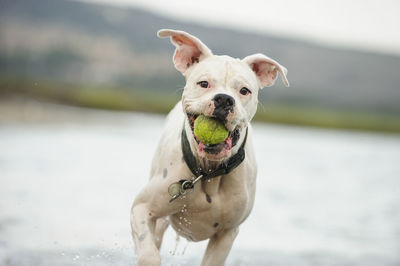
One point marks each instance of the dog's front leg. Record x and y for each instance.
(143, 226)
(148, 221)
(219, 246)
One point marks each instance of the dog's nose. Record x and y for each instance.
(223, 105)
(223, 100)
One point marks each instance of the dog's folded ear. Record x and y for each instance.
(189, 50)
(266, 69)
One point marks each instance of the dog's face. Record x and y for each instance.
(224, 88)
(221, 87)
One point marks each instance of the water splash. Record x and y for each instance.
(177, 240)
(184, 249)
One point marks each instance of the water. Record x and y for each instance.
(68, 177)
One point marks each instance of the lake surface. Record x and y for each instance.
(68, 177)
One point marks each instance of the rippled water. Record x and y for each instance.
(68, 177)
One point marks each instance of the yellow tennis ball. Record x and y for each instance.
(209, 130)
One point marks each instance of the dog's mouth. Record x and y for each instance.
(215, 149)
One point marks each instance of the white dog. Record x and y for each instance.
(204, 192)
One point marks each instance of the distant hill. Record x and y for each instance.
(99, 44)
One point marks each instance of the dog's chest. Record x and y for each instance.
(209, 209)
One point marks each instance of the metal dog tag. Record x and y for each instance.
(175, 189)
(182, 187)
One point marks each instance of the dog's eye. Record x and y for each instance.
(203, 84)
(244, 91)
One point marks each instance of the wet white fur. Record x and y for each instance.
(215, 209)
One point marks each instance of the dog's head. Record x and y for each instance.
(222, 87)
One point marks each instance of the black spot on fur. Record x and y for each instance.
(208, 198)
(216, 224)
(142, 236)
(165, 172)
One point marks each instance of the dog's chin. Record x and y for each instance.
(215, 152)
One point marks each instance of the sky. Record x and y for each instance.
(358, 24)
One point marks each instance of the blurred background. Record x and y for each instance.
(85, 87)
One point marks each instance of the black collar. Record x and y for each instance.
(224, 168)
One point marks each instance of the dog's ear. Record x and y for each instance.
(189, 50)
(266, 69)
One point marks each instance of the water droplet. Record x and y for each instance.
(176, 244)
(184, 249)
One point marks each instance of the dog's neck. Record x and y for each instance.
(211, 186)
(207, 164)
